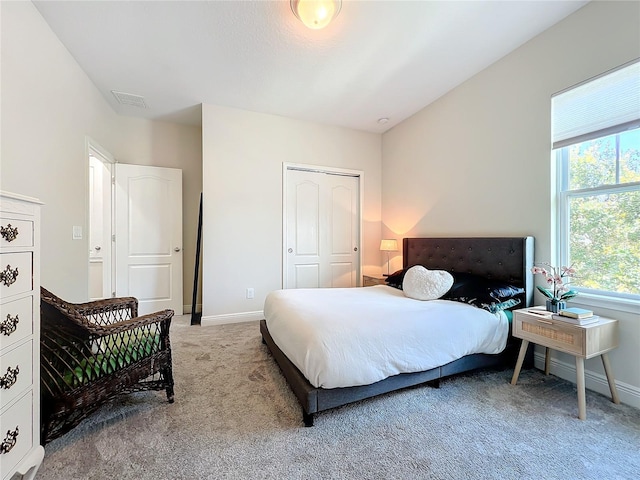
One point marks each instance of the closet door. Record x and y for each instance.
(322, 229)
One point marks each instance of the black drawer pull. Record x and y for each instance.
(9, 233)
(9, 378)
(8, 276)
(9, 441)
(10, 325)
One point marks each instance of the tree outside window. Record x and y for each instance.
(600, 212)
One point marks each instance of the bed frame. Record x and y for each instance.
(499, 258)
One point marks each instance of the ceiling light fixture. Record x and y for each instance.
(316, 14)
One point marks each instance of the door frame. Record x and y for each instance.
(102, 154)
(359, 174)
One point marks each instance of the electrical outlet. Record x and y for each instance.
(250, 293)
(76, 232)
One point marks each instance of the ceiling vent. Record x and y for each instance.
(129, 99)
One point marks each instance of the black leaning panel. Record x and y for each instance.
(498, 258)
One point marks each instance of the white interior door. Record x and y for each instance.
(99, 229)
(322, 230)
(100, 221)
(149, 236)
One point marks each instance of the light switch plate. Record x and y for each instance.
(77, 232)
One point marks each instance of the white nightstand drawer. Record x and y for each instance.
(565, 338)
(16, 321)
(16, 372)
(16, 430)
(16, 233)
(16, 270)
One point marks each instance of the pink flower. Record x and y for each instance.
(557, 279)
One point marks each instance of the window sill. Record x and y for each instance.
(626, 305)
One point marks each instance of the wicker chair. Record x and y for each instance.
(93, 351)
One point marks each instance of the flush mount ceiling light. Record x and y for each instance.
(316, 14)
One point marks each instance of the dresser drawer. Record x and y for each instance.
(16, 321)
(566, 338)
(15, 233)
(16, 430)
(16, 273)
(16, 372)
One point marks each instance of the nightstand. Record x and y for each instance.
(581, 341)
(368, 281)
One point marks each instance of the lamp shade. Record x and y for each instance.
(389, 245)
(316, 14)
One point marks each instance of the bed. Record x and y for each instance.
(507, 259)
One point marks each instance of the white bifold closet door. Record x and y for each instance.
(322, 230)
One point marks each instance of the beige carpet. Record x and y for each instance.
(235, 418)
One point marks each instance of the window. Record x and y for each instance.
(596, 134)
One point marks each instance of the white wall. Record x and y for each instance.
(48, 107)
(243, 153)
(480, 157)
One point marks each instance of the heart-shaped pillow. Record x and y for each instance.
(422, 284)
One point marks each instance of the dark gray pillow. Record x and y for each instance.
(492, 295)
(396, 278)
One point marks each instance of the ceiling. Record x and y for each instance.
(378, 59)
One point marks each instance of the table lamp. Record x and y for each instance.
(388, 245)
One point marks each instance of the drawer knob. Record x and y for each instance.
(9, 233)
(9, 441)
(10, 325)
(8, 276)
(9, 378)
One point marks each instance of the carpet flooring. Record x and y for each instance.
(235, 418)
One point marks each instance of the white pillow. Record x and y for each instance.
(422, 284)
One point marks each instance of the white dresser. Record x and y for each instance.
(20, 449)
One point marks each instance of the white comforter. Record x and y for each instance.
(340, 337)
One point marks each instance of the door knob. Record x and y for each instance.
(177, 249)
(355, 249)
(290, 250)
(98, 248)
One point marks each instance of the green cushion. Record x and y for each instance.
(509, 314)
(118, 355)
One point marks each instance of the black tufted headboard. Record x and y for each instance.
(499, 258)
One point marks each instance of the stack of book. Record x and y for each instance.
(577, 316)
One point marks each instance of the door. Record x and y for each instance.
(100, 220)
(148, 234)
(322, 229)
(99, 227)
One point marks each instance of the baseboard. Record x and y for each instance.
(629, 394)
(186, 309)
(232, 318)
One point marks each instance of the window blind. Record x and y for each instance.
(598, 107)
